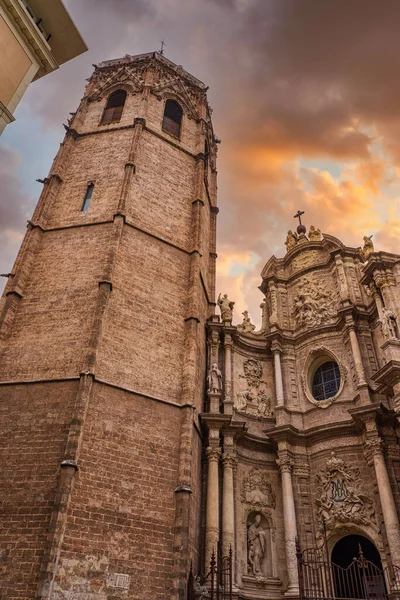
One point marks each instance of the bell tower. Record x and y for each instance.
(102, 345)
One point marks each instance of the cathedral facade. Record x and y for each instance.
(142, 432)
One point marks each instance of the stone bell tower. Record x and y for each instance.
(102, 355)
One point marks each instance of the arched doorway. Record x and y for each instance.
(357, 569)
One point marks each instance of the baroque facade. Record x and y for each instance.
(141, 429)
(305, 422)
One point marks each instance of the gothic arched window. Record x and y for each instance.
(172, 118)
(114, 107)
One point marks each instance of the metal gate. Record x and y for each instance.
(217, 584)
(321, 579)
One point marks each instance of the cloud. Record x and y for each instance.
(14, 206)
(306, 98)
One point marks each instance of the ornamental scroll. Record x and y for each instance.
(341, 499)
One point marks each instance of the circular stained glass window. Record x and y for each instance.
(326, 381)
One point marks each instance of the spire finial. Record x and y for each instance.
(162, 46)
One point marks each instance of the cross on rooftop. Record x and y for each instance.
(298, 215)
(162, 46)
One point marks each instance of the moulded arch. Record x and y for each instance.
(342, 530)
(110, 89)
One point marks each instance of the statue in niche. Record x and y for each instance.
(256, 545)
(226, 307)
(214, 380)
(246, 326)
(368, 247)
(291, 240)
(314, 235)
(389, 324)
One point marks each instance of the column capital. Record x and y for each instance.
(285, 463)
(350, 322)
(373, 447)
(276, 348)
(227, 340)
(213, 454)
(229, 460)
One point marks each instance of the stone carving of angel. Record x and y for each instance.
(291, 240)
(246, 326)
(314, 235)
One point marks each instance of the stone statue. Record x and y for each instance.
(214, 380)
(264, 404)
(368, 247)
(389, 324)
(200, 590)
(256, 544)
(226, 307)
(246, 326)
(314, 235)
(291, 240)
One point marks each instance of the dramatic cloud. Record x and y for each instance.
(306, 99)
(15, 208)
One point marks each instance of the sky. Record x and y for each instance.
(306, 100)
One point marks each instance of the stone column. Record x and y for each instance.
(374, 453)
(228, 403)
(212, 513)
(278, 377)
(289, 517)
(228, 504)
(355, 348)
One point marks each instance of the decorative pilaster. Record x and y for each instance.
(212, 513)
(343, 287)
(285, 464)
(273, 316)
(228, 403)
(355, 348)
(276, 351)
(375, 456)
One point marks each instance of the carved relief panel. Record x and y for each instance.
(313, 302)
(253, 391)
(341, 499)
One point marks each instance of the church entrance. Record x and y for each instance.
(354, 570)
(357, 569)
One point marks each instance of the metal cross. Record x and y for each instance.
(162, 46)
(298, 215)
